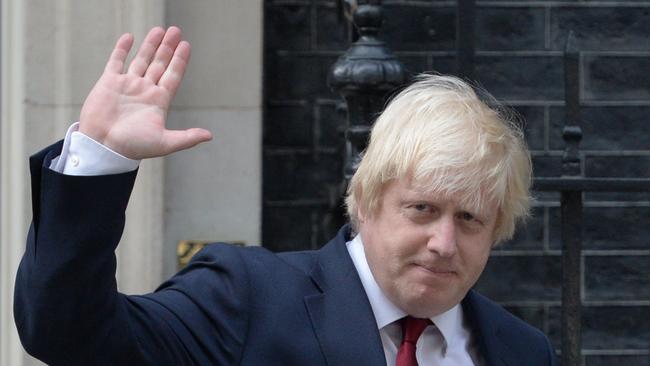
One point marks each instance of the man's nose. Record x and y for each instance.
(442, 238)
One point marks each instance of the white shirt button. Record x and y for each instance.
(74, 160)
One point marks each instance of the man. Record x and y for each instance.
(444, 178)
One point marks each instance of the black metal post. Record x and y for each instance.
(465, 36)
(364, 76)
(571, 213)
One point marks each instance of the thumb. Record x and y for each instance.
(176, 140)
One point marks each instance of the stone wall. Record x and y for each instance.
(519, 60)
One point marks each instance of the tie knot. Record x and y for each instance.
(412, 328)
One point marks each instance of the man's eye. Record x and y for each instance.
(466, 216)
(420, 211)
(421, 207)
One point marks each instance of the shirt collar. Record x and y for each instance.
(450, 323)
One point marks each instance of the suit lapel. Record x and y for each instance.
(485, 329)
(345, 325)
(341, 314)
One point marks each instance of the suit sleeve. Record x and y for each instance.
(67, 307)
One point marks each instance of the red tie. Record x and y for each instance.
(412, 328)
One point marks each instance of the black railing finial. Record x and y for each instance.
(571, 208)
(364, 76)
(572, 133)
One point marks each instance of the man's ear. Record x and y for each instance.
(361, 211)
(361, 214)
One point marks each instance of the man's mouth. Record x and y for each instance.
(436, 270)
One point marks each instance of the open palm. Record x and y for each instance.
(126, 111)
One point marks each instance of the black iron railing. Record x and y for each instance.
(572, 184)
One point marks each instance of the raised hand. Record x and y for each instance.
(126, 111)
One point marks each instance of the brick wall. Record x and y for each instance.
(519, 60)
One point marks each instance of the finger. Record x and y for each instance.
(175, 140)
(163, 55)
(146, 51)
(173, 75)
(116, 60)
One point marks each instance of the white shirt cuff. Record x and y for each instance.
(81, 155)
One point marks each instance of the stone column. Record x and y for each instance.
(52, 54)
(213, 192)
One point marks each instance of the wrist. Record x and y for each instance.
(92, 133)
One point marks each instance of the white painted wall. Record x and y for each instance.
(52, 53)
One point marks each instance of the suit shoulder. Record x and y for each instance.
(255, 257)
(216, 250)
(232, 255)
(520, 334)
(302, 260)
(499, 331)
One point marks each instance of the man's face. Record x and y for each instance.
(425, 251)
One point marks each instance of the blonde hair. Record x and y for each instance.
(442, 137)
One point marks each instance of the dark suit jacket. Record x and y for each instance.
(230, 306)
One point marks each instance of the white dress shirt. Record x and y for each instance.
(81, 155)
(448, 343)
